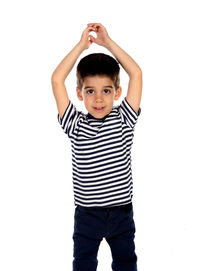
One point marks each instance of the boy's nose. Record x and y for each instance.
(98, 98)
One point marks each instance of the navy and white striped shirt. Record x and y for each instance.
(101, 155)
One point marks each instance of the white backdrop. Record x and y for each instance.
(36, 192)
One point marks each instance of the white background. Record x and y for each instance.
(36, 192)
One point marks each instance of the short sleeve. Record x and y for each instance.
(69, 119)
(129, 114)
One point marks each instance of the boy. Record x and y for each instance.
(101, 149)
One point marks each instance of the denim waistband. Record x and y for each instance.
(108, 208)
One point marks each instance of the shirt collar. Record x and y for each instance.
(89, 116)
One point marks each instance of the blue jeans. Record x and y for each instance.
(116, 224)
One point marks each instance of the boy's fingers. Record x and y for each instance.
(90, 25)
(95, 24)
(89, 28)
(91, 38)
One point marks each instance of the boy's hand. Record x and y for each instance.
(102, 34)
(84, 41)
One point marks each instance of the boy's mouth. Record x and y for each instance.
(99, 109)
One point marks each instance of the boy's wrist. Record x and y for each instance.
(81, 45)
(108, 43)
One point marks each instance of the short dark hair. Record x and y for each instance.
(98, 64)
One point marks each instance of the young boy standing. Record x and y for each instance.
(101, 149)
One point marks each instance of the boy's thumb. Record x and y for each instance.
(92, 38)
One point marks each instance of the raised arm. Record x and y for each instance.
(130, 66)
(63, 69)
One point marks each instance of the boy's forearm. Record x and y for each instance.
(66, 65)
(130, 66)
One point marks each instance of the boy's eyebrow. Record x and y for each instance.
(93, 87)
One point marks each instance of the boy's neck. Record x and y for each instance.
(92, 117)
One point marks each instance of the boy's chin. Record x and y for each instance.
(99, 114)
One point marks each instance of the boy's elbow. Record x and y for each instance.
(139, 71)
(136, 73)
(55, 79)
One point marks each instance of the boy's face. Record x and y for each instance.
(98, 93)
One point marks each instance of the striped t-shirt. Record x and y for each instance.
(101, 155)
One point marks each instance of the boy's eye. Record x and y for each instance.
(90, 90)
(107, 90)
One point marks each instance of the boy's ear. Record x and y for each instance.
(79, 94)
(118, 93)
